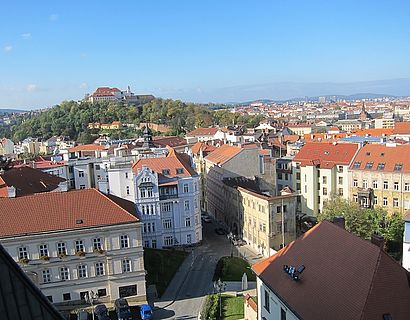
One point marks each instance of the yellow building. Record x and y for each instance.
(380, 176)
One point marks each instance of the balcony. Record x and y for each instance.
(168, 196)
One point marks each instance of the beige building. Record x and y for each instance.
(380, 176)
(320, 171)
(384, 123)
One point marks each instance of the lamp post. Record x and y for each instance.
(90, 296)
(219, 287)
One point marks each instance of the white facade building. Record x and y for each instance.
(406, 243)
(73, 242)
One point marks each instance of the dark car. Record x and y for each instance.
(101, 312)
(220, 231)
(122, 309)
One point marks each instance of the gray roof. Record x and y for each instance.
(20, 299)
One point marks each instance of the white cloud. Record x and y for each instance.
(8, 48)
(53, 17)
(31, 88)
(26, 35)
(84, 85)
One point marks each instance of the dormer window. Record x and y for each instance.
(398, 167)
(369, 165)
(356, 165)
(180, 170)
(165, 172)
(380, 166)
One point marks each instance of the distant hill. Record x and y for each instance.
(3, 111)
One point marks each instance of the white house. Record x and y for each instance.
(72, 242)
(167, 195)
(406, 243)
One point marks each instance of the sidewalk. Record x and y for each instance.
(249, 254)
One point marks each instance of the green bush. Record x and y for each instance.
(210, 308)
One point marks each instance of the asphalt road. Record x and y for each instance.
(185, 294)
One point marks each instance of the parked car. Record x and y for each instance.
(122, 309)
(82, 315)
(101, 312)
(146, 312)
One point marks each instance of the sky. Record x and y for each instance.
(202, 50)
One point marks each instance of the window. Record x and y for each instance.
(81, 174)
(50, 298)
(407, 204)
(43, 250)
(364, 184)
(146, 243)
(64, 274)
(325, 191)
(340, 192)
(97, 244)
(340, 168)
(355, 197)
(166, 207)
(380, 166)
(46, 273)
(282, 314)
(99, 269)
(340, 180)
(165, 172)
(186, 189)
(324, 179)
(398, 166)
(143, 192)
(126, 175)
(187, 222)
(82, 271)
(124, 241)
(154, 243)
(297, 175)
(354, 182)
(82, 186)
(167, 223)
(168, 241)
(23, 253)
(61, 248)
(280, 175)
(266, 300)
(395, 202)
(375, 184)
(356, 165)
(126, 265)
(396, 185)
(406, 186)
(186, 205)
(369, 165)
(180, 170)
(66, 296)
(375, 200)
(149, 192)
(279, 226)
(79, 246)
(385, 185)
(128, 190)
(385, 203)
(188, 238)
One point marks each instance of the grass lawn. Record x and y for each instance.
(161, 265)
(232, 269)
(232, 307)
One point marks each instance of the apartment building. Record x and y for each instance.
(320, 171)
(329, 273)
(380, 176)
(406, 243)
(72, 242)
(167, 192)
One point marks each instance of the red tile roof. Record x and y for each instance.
(87, 147)
(373, 132)
(381, 153)
(53, 211)
(172, 162)
(326, 155)
(345, 277)
(27, 181)
(203, 132)
(401, 128)
(223, 154)
(172, 141)
(105, 91)
(206, 148)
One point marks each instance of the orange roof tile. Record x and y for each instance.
(345, 277)
(206, 148)
(223, 154)
(401, 128)
(373, 132)
(54, 211)
(203, 132)
(87, 147)
(381, 153)
(326, 155)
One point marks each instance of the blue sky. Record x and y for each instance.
(199, 50)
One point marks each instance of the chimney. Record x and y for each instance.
(378, 240)
(339, 221)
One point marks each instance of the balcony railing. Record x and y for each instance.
(168, 196)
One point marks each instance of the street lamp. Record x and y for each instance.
(219, 287)
(89, 297)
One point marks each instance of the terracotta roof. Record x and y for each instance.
(53, 211)
(172, 162)
(171, 141)
(381, 153)
(105, 91)
(401, 128)
(223, 154)
(345, 277)
(206, 148)
(373, 132)
(203, 132)
(326, 155)
(27, 181)
(87, 147)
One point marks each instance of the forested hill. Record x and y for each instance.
(71, 118)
